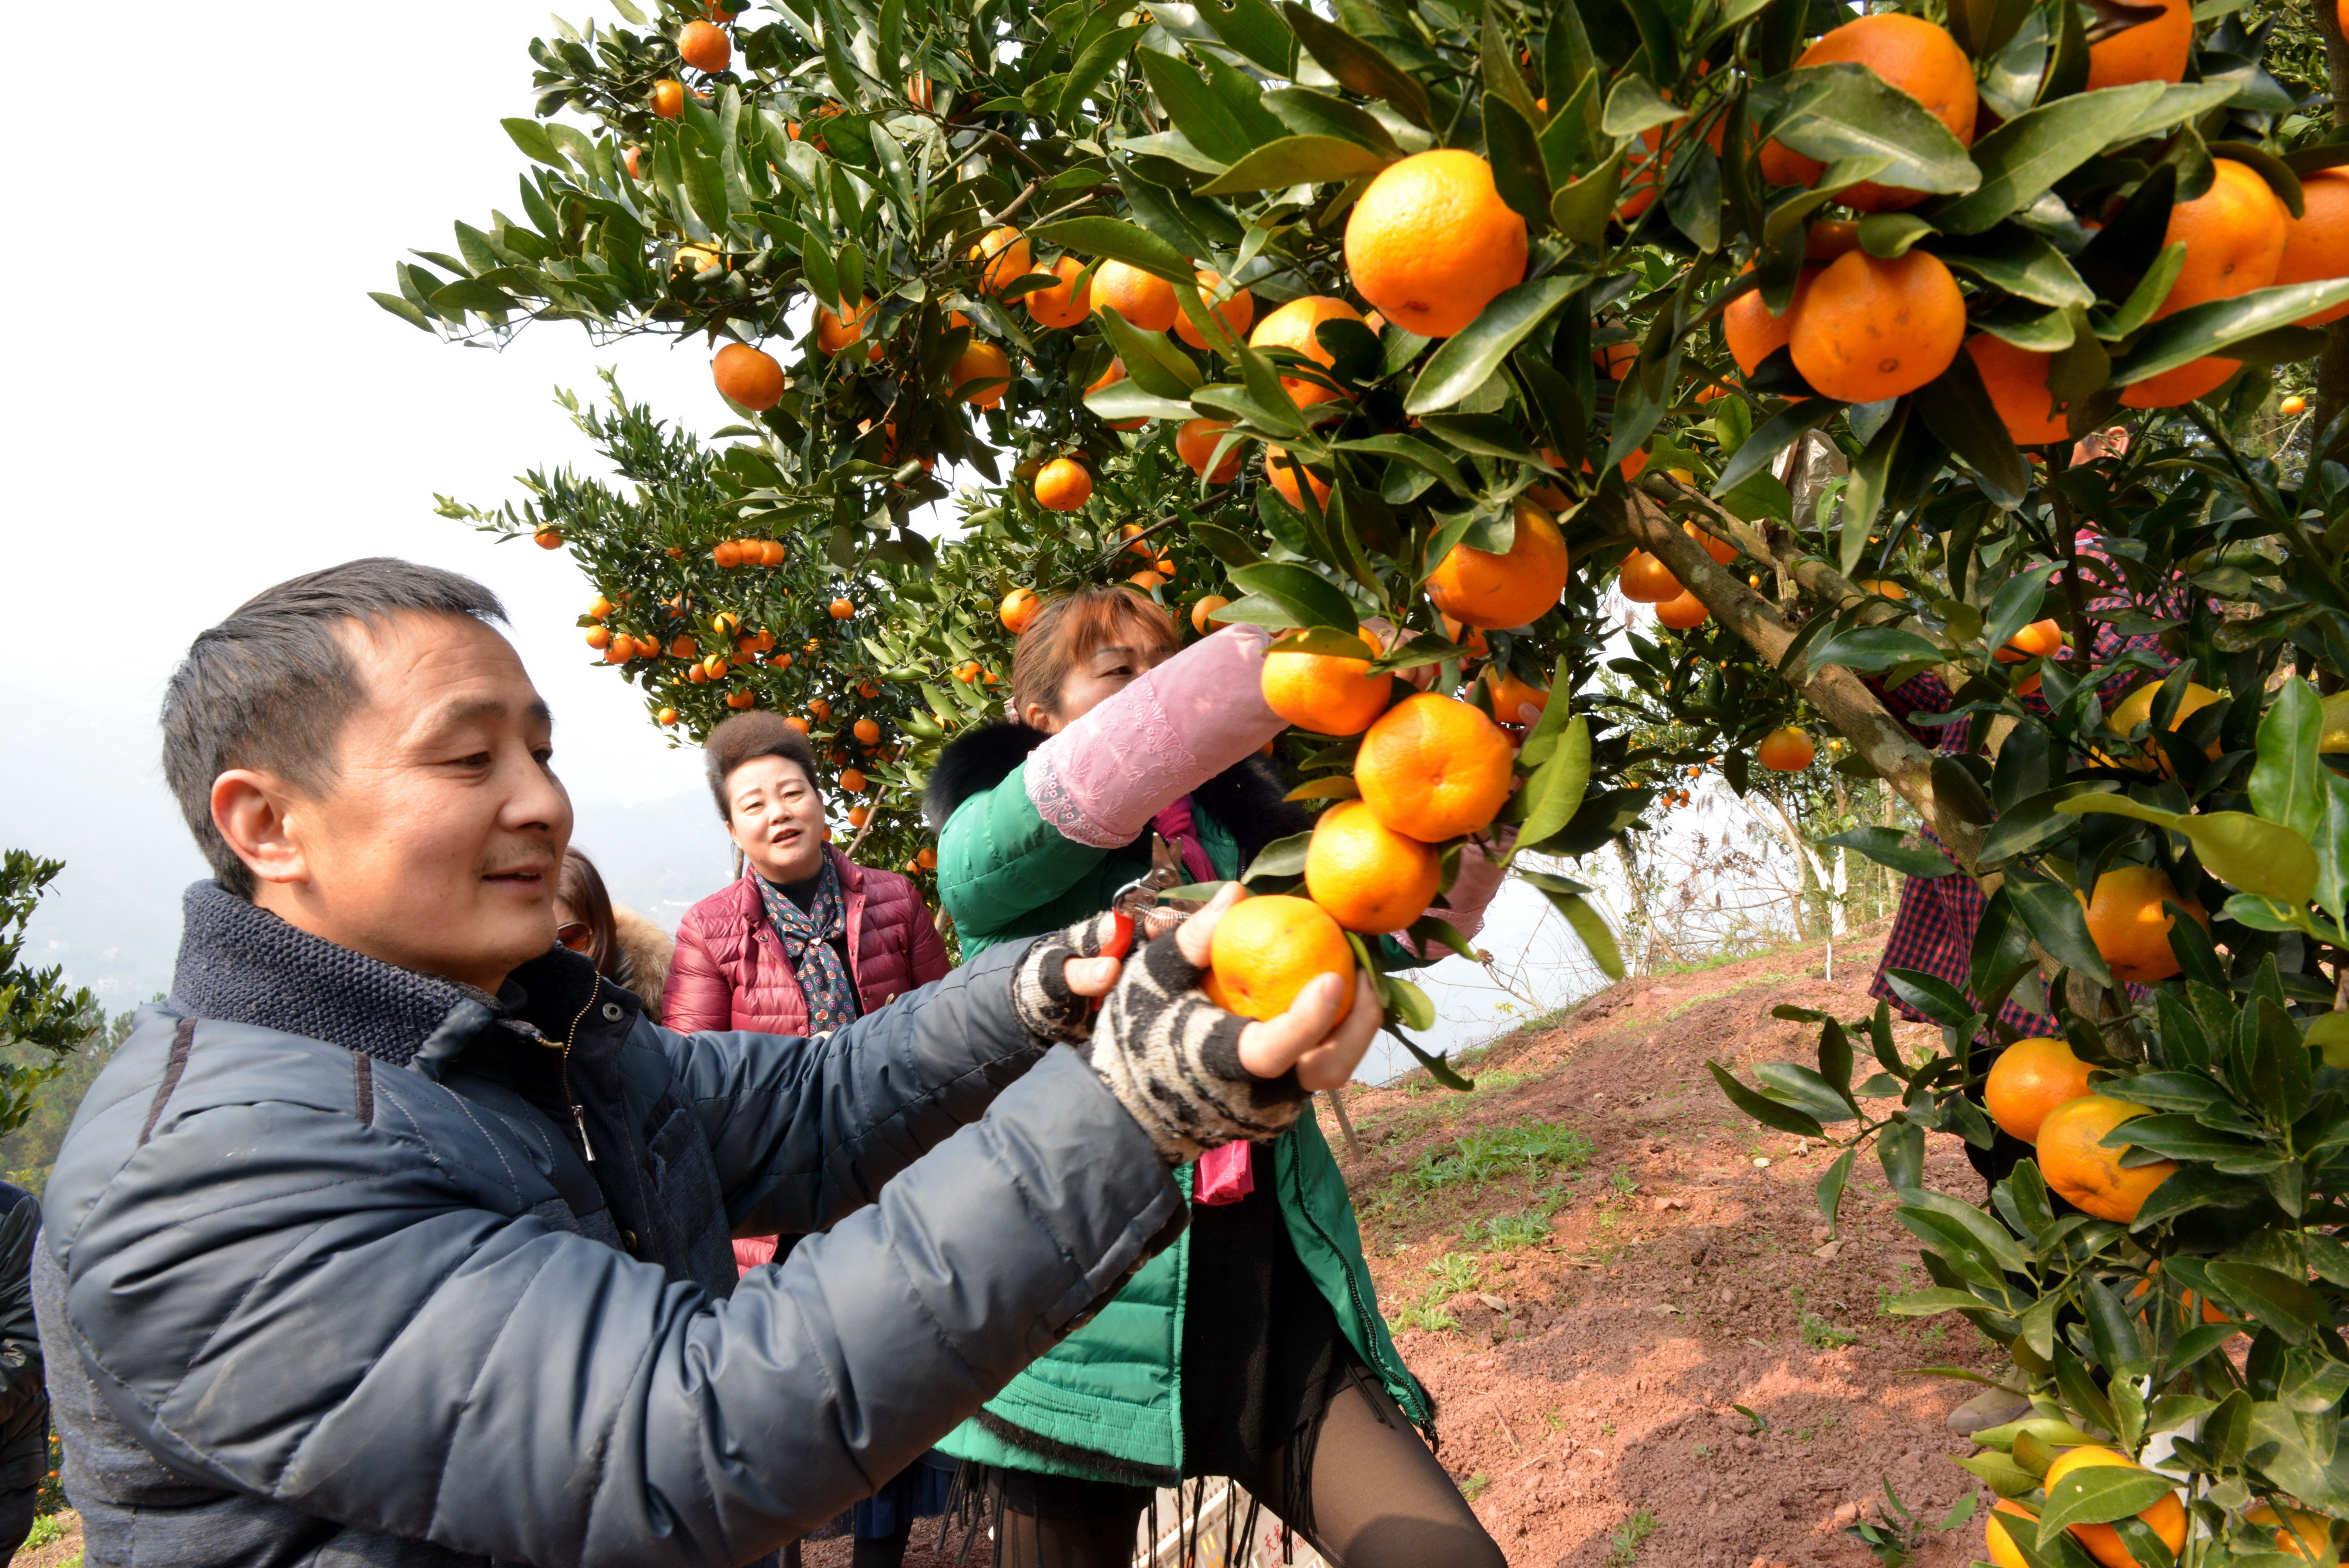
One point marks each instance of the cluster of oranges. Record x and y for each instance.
(2038, 1091)
(730, 553)
(1644, 579)
(2166, 1517)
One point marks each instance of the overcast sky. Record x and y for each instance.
(204, 402)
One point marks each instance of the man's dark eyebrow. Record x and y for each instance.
(469, 711)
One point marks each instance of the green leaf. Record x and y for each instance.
(1555, 791)
(1359, 66)
(1790, 1082)
(1591, 927)
(1830, 1188)
(2280, 1302)
(1311, 113)
(1099, 58)
(2203, 329)
(1885, 845)
(2099, 1494)
(2016, 604)
(2263, 859)
(2026, 156)
(1580, 210)
(1503, 84)
(536, 144)
(1761, 1108)
(1871, 478)
(1515, 156)
(1151, 357)
(1773, 436)
(1872, 647)
(1956, 407)
(1468, 359)
(1281, 857)
(2278, 1444)
(2288, 780)
(1255, 30)
(1129, 400)
(2333, 851)
(405, 310)
(1118, 241)
(2057, 922)
(1297, 160)
(1312, 598)
(1633, 105)
(2024, 265)
(1846, 111)
(1194, 108)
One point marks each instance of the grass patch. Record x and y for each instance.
(1506, 1232)
(1817, 1331)
(47, 1529)
(1450, 1275)
(1627, 1537)
(1482, 1156)
(1475, 1486)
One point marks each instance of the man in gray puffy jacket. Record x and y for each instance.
(396, 1236)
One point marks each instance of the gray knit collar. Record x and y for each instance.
(241, 964)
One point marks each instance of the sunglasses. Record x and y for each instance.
(576, 935)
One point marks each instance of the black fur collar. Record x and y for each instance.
(1246, 797)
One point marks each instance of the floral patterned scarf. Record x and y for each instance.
(807, 938)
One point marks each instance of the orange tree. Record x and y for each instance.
(1368, 323)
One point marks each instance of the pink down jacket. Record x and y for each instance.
(730, 972)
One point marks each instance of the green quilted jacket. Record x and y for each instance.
(1114, 1388)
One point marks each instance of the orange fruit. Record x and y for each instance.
(737, 700)
(684, 648)
(1278, 468)
(2195, 380)
(1063, 485)
(820, 708)
(1234, 313)
(1995, 1539)
(668, 98)
(835, 332)
(1007, 255)
(1058, 306)
(2151, 51)
(1870, 329)
(1205, 611)
(1754, 334)
(1110, 378)
(1509, 694)
(749, 376)
(2038, 641)
(2166, 1516)
(1785, 751)
(1682, 612)
(1513, 588)
(601, 607)
(982, 362)
(1431, 243)
(601, 637)
(1326, 693)
(1646, 580)
(2136, 709)
(1135, 543)
(1916, 56)
(1293, 326)
(796, 722)
(2130, 926)
(1144, 299)
(1830, 238)
(549, 538)
(852, 780)
(841, 609)
(666, 717)
(2316, 244)
(1149, 582)
(2294, 404)
(927, 859)
(705, 47)
(1721, 551)
(1370, 878)
(1467, 636)
(714, 666)
(1020, 607)
(867, 731)
(1434, 767)
(858, 815)
(2307, 1536)
(1265, 950)
(2030, 1078)
(2234, 236)
(1195, 443)
(2017, 379)
(1615, 358)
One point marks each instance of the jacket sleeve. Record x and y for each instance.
(998, 860)
(21, 1381)
(929, 957)
(806, 1131)
(283, 1299)
(696, 995)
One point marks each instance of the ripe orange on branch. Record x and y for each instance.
(1326, 693)
(835, 332)
(1870, 329)
(1062, 486)
(748, 376)
(2166, 1516)
(705, 47)
(1370, 878)
(1913, 55)
(1283, 470)
(1059, 305)
(2234, 236)
(2131, 927)
(2316, 244)
(668, 98)
(1646, 580)
(1195, 443)
(1431, 243)
(986, 364)
(1265, 951)
(1786, 751)
(2152, 51)
(1435, 767)
(2017, 380)
(1020, 607)
(1682, 612)
(2031, 1079)
(1007, 255)
(1204, 612)
(1143, 298)
(1511, 588)
(1234, 313)
(1294, 325)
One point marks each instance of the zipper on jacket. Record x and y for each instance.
(571, 1038)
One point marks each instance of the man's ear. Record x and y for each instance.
(253, 811)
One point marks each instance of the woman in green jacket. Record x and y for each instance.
(1253, 1347)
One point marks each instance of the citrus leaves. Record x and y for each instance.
(2028, 154)
(2265, 860)
(1846, 111)
(2200, 330)
(1296, 160)
(1467, 360)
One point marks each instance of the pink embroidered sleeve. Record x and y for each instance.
(1100, 780)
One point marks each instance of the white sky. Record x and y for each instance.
(202, 401)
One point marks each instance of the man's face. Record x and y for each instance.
(434, 844)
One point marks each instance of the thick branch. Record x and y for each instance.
(1834, 690)
(1771, 544)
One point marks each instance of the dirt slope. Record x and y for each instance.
(1640, 1273)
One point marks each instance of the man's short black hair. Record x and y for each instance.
(759, 732)
(271, 687)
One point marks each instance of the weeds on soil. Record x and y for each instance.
(1894, 1542)
(1628, 1537)
(1482, 1156)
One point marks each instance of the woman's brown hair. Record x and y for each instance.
(1069, 629)
(581, 885)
